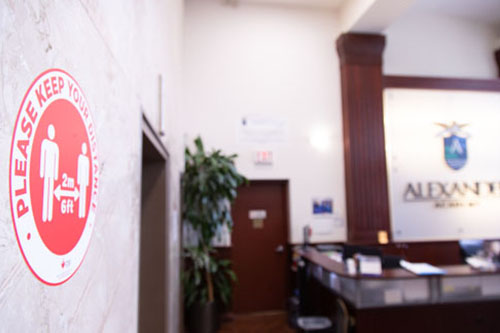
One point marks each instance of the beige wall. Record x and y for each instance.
(115, 50)
(424, 43)
(272, 61)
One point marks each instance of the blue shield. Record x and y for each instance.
(455, 151)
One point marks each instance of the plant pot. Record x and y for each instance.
(203, 318)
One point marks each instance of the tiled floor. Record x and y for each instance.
(275, 322)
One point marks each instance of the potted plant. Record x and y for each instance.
(209, 186)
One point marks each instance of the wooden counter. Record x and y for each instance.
(462, 300)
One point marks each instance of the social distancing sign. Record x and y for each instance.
(54, 176)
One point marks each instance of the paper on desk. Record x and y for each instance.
(335, 256)
(480, 263)
(421, 268)
(369, 265)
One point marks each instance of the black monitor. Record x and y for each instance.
(470, 247)
(350, 250)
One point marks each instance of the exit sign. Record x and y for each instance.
(263, 157)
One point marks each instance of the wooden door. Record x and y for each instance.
(259, 248)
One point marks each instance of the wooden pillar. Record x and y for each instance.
(497, 58)
(364, 145)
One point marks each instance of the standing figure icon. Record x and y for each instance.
(49, 170)
(83, 173)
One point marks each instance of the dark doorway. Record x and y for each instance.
(153, 239)
(259, 247)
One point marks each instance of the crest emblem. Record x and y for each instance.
(455, 145)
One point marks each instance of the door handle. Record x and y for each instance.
(279, 249)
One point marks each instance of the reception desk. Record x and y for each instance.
(462, 300)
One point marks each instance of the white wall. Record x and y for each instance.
(273, 61)
(423, 43)
(115, 50)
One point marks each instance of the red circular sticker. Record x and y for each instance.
(54, 176)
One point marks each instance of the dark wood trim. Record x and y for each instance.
(414, 82)
(497, 59)
(360, 49)
(434, 252)
(464, 316)
(367, 202)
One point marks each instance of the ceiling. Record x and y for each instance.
(331, 4)
(486, 11)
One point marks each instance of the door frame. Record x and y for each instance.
(154, 157)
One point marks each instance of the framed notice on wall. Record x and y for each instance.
(443, 163)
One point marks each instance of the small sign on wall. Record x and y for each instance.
(257, 214)
(263, 157)
(262, 129)
(258, 224)
(322, 206)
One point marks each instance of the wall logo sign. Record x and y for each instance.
(452, 194)
(455, 145)
(54, 176)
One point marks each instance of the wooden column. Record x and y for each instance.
(364, 145)
(497, 58)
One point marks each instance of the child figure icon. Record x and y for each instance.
(83, 173)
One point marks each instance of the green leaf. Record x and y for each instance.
(224, 262)
(232, 275)
(209, 183)
(199, 144)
